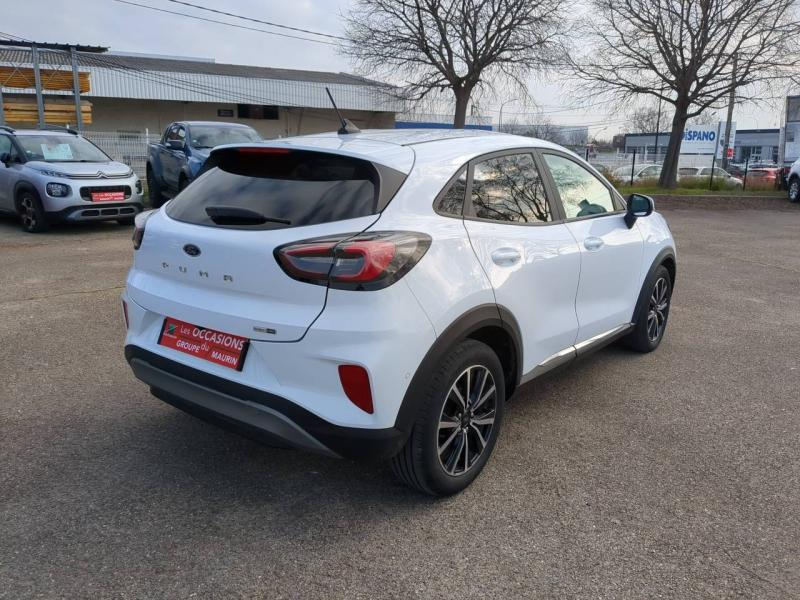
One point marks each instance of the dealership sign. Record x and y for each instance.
(705, 139)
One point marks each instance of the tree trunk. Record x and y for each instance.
(669, 170)
(462, 100)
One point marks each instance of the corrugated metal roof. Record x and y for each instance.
(149, 78)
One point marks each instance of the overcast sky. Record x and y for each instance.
(133, 29)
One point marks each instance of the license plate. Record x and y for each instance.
(214, 346)
(108, 196)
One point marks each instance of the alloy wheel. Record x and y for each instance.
(657, 312)
(466, 420)
(28, 214)
(794, 190)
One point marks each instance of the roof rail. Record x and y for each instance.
(7, 128)
(59, 128)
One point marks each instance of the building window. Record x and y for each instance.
(257, 111)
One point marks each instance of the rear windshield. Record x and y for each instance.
(284, 188)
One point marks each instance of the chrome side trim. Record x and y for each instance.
(568, 354)
(601, 339)
(549, 363)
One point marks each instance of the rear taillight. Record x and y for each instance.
(366, 261)
(138, 227)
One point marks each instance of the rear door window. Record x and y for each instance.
(264, 188)
(509, 189)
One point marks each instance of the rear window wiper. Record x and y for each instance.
(234, 215)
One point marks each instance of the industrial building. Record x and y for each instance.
(131, 94)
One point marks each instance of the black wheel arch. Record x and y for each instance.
(665, 258)
(491, 324)
(20, 187)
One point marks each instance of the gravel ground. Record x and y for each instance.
(671, 475)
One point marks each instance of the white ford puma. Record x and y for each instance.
(380, 295)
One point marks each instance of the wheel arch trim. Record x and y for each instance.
(666, 255)
(480, 317)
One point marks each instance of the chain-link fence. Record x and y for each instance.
(128, 148)
(694, 171)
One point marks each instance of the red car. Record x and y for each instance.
(764, 174)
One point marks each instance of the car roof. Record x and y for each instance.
(39, 132)
(400, 148)
(213, 123)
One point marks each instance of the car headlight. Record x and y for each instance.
(138, 186)
(58, 190)
(48, 173)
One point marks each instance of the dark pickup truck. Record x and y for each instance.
(174, 161)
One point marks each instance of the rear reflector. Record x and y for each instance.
(355, 382)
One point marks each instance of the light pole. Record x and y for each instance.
(500, 117)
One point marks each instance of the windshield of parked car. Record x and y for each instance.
(209, 136)
(60, 148)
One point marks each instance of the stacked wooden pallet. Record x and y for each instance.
(56, 111)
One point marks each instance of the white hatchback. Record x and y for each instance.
(380, 295)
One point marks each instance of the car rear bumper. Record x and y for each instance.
(256, 413)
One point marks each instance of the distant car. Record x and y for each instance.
(175, 160)
(720, 175)
(640, 172)
(51, 175)
(764, 173)
(793, 181)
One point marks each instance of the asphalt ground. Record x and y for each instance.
(669, 475)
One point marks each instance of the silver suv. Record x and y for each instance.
(51, 175)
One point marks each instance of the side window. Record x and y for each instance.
(5, 144)
(172, 134)
(509, 189)
(582, 194)
(653, 171)
(452, 201)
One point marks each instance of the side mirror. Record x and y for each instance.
(176, 144)
(5, 158)
(639, 205)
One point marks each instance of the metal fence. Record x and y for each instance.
(128, 148)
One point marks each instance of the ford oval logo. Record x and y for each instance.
(191, 250)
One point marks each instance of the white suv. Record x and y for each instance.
(380, 295)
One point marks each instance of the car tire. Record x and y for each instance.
(439, 457)
(182, 183)
(651, 323)
(794, 189)
(31, 212)
(154, 190)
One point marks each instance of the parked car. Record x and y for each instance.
(765, 174)
(640, 173)
(53, 175)
(175, 160)
(720, 175)
(793, 182)
(379, 295)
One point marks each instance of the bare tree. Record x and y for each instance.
(689, 53)
(457, 45)
(648, 120)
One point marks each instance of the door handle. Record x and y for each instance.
(505, 257)
(593, 243)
